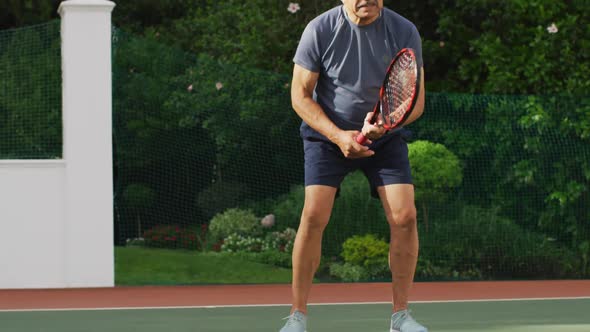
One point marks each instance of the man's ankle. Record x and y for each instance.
(303, 311)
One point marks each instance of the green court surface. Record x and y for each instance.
(498, 316)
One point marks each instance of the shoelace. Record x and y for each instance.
(296, 317)
(403, 316)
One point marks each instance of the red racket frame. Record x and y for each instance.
(377, 110)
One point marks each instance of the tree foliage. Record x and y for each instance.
(520, 47)
(17, 13)
(30, 93)
(201, 68)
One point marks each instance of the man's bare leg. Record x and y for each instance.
(400, 210)
(307, 248)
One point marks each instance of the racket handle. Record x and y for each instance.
(361, 139)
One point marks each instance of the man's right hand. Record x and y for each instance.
(346, 141)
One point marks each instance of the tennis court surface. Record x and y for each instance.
(519, 306)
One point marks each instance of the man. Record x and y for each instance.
(340, 64)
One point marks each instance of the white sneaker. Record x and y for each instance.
(296, 322)
(402, 321)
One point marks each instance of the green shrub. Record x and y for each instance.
(240, 243)
(427, 270)
(355, 212)
(282, 241)
(173, 237)
(273, 241)
(369, 252)
(287, 207)
(234, 221)
(349, 272)
(435, 172)
(479, 243)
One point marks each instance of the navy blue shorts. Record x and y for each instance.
(326, 165)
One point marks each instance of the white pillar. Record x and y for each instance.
(87, 151)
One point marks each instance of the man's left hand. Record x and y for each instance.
(373, 131)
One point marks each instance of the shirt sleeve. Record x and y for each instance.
(308, 50)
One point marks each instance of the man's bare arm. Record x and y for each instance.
(302, 86)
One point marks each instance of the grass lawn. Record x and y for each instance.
(146, 266)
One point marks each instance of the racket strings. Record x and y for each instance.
(399, 90)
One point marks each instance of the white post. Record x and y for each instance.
(87, 126)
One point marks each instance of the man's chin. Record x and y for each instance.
(367, 13)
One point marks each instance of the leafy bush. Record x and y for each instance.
(234, 221)
(274, 241)
(282, 241)
(240, 243)
(355, 212)
(369, 252)
(287, 207)
(435, 171)
(174, 237)
(480, 243)
(349, 272)
(427, 270)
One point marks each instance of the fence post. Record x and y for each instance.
(87, 150)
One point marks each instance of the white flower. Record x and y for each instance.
(293, 7)
(218, 85)
(189, 88)
(268, 221)
(552, 28)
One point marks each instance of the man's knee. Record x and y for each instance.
(315, 218)
(404, 217)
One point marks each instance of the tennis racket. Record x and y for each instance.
(399, 92)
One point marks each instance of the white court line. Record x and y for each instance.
(284, 305)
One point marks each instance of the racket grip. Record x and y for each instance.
(361, 139)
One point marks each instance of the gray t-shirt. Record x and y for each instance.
(352, 61)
